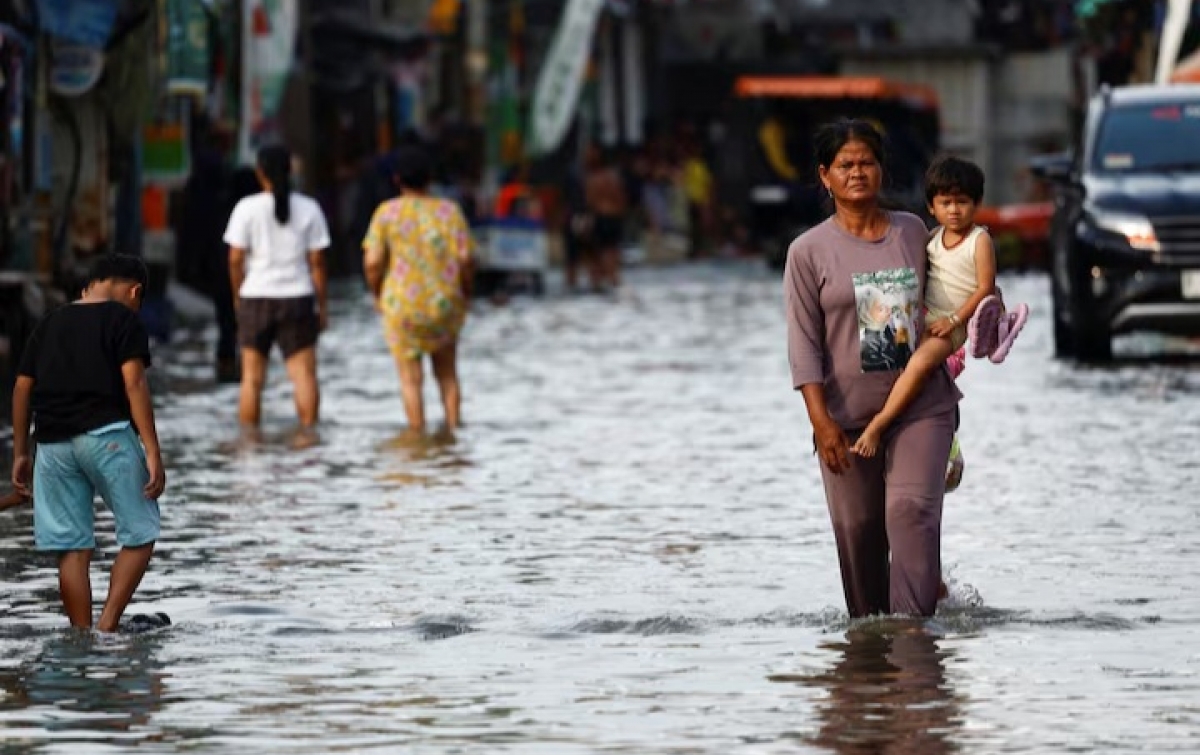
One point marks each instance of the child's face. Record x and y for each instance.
(954, 211)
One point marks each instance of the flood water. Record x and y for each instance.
(627, 551)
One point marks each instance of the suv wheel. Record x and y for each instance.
(1090, 337)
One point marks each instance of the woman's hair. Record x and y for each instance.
(831, 137)
(950, 175)
(867, 296)
(414, 169)
(275, 162)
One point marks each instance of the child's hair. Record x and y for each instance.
(954, 175)
(124, 267)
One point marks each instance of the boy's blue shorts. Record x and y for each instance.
(67, 477)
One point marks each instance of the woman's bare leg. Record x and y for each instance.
(302, 369)
(445, 369)
(254, 376)
(412, 376)
(931, 355)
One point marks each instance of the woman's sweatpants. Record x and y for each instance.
(893, 501)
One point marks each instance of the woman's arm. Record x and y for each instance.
(832, 443)
(375, 254)
(806, 355)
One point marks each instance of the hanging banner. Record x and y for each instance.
(74, 68)
(268, 44)
(188, 56)
(86, 22)
(561, 79)
(1178, 13)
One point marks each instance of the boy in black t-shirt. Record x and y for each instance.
(82, 378)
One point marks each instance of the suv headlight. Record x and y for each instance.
(1136, 229)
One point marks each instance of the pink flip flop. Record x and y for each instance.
(983, 328)
(1007, 331)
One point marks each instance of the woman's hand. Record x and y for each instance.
(942, 328)
(833, 446)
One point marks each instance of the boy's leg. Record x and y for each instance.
(116, 463)
(75, 586)
(931, 355)
(64, 522)
(127, 572)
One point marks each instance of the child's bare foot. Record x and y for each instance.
(867, 444)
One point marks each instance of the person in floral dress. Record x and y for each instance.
(417, 262)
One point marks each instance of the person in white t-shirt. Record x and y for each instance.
(277, 240)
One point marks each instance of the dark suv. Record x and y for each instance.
(1125, 239)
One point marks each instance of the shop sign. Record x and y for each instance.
(74, 68)
(560, 81)
(188, 56)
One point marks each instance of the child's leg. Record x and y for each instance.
(127, 573)
(117, 463)
(75, 586)
(931, 355)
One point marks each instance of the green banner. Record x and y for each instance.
(189, 58)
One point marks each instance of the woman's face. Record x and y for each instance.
(880, 312)
(855, 176)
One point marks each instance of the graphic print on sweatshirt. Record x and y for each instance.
(888, 310)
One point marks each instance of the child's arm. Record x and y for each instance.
(142, 409)
(22, 471)
(985, 277)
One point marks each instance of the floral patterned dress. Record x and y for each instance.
(424, 243)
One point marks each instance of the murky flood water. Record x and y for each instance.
(627, 551)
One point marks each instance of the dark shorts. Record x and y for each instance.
(292, 323)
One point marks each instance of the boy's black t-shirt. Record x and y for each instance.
(74, 357)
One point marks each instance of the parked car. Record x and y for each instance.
(1125, 236)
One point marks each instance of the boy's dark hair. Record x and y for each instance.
(119, 267)
(954, 175)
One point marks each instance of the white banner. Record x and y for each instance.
(561, 78)
(1178, 13)
(268, 44)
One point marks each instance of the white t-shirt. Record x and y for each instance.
(277, 255)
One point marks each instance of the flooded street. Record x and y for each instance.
(627, 551)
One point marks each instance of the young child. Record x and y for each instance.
(82, 382)
(961, 284)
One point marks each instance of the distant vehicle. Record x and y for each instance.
(776, 117)
(1125, 236)
(512, 248)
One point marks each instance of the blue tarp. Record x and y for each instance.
(85, 22)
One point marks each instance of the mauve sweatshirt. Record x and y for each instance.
(854, 317)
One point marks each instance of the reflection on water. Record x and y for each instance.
(82, 686)
(886, 693)
(626, 551)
